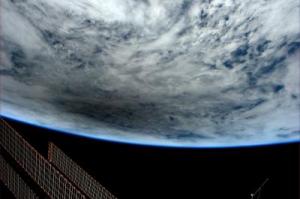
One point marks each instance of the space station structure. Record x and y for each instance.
(28, 174)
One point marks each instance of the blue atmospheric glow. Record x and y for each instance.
(154, 144)
(196, 74)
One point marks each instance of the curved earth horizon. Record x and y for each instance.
(186, 73)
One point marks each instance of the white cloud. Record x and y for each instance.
(150, 61)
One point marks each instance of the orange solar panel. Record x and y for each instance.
(14, 182)
(50, 180)
(76, 174)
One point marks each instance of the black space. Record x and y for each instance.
(134, 171)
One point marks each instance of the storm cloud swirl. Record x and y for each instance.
(173, 72)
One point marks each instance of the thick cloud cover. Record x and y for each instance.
(186, 73)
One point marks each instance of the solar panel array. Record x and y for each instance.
(76, 174)
(14, 182)
(50, 180)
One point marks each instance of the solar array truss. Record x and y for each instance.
(76, 174)
(14, 182)
(50, 180)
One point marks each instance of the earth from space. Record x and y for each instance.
(186, 73)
